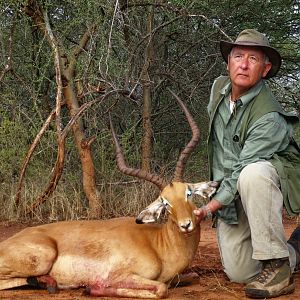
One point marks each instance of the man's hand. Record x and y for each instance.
(201, 214)
(207, 210)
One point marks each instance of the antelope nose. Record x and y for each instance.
(186, 225)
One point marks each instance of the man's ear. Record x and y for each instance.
(268, 67)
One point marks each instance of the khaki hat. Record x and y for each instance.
(251, 37)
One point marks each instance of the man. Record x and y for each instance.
(254, 157)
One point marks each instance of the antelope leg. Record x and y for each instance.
(25, 256)
(133, 286)
(11, 283)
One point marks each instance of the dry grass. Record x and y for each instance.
(68, 202)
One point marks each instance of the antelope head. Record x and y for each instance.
(175, 199)
(175, 202)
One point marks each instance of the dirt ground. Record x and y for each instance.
(208, 283)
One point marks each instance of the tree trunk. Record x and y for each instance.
(84, 149)
(147, 101)
(68, 71)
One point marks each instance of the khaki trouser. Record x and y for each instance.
(259, 234)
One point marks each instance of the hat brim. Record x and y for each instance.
(273, 54)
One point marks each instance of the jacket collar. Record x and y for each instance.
(248, 96)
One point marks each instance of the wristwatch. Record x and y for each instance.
(208, 212)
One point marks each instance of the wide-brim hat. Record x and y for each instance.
(253, 38)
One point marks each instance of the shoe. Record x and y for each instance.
(294, 241)
(274, 280)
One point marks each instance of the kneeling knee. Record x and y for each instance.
(253, 173)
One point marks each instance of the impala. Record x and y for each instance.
(116, 257)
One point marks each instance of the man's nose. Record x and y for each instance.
(245, 62)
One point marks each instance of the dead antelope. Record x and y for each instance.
(115, 257)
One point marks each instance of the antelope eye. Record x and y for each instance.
(164, 202)
(188, 193)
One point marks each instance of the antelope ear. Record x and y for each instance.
(205, 189)
(154, 213)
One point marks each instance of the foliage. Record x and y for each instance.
(186, 59)
(11, 154)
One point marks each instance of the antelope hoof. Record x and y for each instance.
(86, 291)
(43, 282)
(52, 289)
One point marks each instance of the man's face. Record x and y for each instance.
(246, 66)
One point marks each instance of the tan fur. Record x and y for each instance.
(115, 257)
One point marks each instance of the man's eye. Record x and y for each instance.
(253, 59)
(238, 57)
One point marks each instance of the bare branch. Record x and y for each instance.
(58, 167)
(30, 152)
(56, 174)
(57, 63)
(110, 35)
